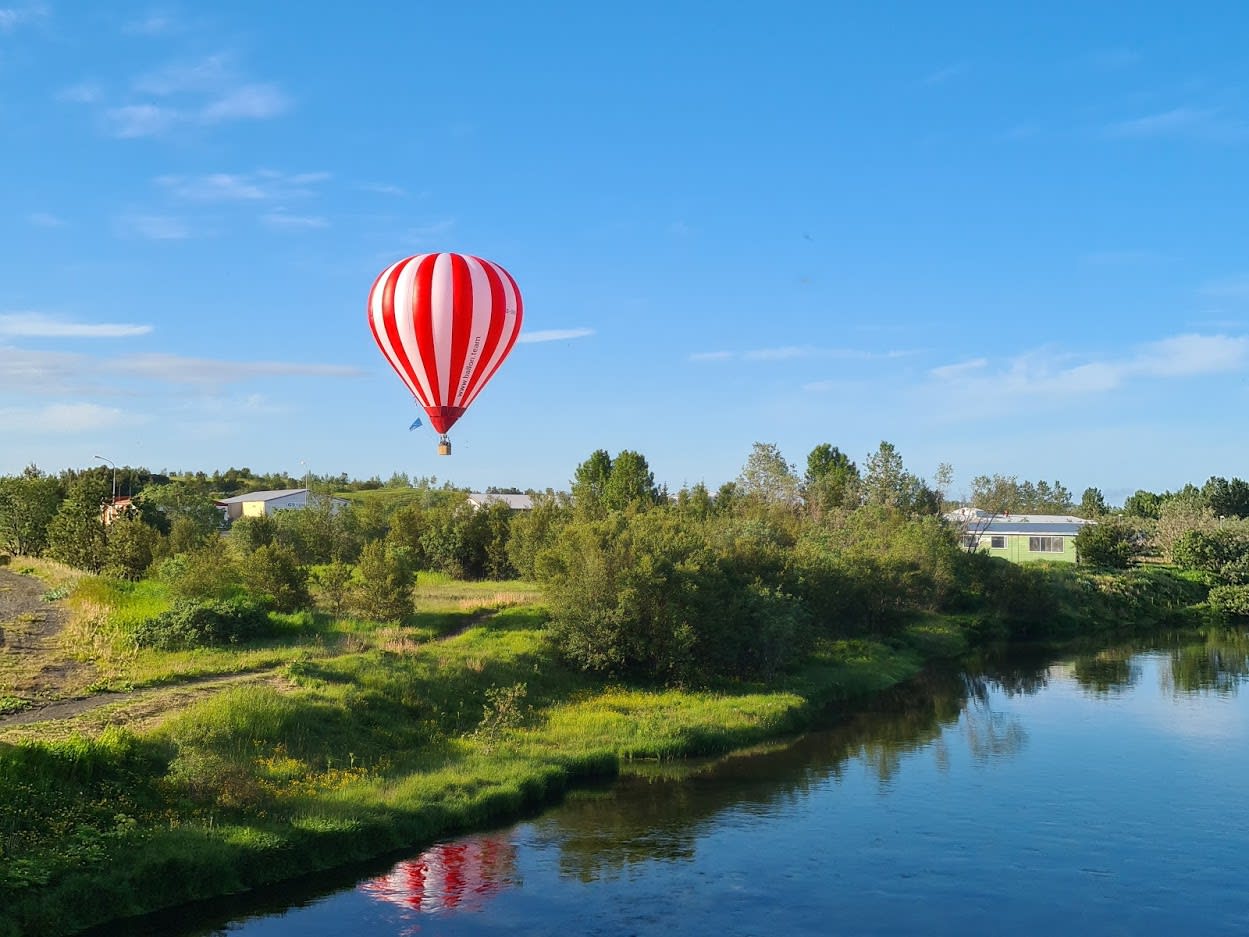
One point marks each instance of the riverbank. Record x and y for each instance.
(356, 739)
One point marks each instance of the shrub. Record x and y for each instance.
(1110, 544)
(203, 624)
(1231, 600)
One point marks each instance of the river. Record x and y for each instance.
(1097, 794)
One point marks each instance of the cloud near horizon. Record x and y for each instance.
(1051, 373)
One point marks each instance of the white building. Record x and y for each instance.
(479, 499)
(265, 503)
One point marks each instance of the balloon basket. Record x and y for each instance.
(444, 446)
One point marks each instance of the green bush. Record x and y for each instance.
(204, 624)
(1109, 544)
(1231, 600)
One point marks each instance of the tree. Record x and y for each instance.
(76, 533)
(590, 483)
(130, 547)
(1227, 498)
(28, 502)
(1182, 512)
(273, 571)
(1001, 494)
(1092, 504)
(1143, 504)
(831, 481)
(767, 477)
(534, 530)
(383, 591)
(887, 483)
(190, 501)
(629, 483)
(1114, 543)
(334, 583)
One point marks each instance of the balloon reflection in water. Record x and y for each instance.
(450, 876)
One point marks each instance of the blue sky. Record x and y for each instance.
(1011, 241)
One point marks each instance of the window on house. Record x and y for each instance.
(997, 543)
(971, 541)
(1045, 544)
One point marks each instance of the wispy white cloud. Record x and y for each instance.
(1050, 373)
(42, 325)
(140, 120)
(1210, 125)
(153, 227)
(202, 93)
(177, 369)
(554, 335)
(44, 219)
(250, 102)
(951, 371)
(13, 17)
(261, 185)
(793, 352)
(85, 92)
(283, 220)
(381, 188)
(60, 418)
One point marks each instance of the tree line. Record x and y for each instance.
(641, 582)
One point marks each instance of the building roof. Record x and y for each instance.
(515, 502)
(981, 522)
(261, 495)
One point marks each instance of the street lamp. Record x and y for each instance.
(114, 465)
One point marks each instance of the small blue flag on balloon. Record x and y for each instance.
(415, 424)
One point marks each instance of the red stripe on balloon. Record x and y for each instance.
(423, 330)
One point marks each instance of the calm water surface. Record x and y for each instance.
(1098, 795)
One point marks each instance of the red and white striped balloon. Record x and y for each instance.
(445, 322)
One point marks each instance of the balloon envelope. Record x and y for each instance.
(445, 322)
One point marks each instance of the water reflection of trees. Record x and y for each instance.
(642, 819)
(1219, 664)
(1107, 673)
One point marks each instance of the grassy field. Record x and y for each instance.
(189, 774)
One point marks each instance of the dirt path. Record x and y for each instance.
(33, 666)
(37, 675)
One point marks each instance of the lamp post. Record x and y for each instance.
(114, 465)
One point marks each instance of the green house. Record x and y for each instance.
(1020, 538)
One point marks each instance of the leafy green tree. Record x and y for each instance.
(589, 485)
(130, 547)
(204, 572)
(1227, 498)
(1113, 543)
(273, 570)
(768, 478)
(887, 483)
(189, 500)
(1092, 504)
(1000, 494)
(76, 533)
(383, 590)
(249, 534)
(629, 483)
(1143, 504)
(334, 586)
(832, 480)
(1182, 512)
(28, 502)
(535, 530)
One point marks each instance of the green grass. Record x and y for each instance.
(362, 738)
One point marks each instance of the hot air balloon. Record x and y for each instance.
(445, 322)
